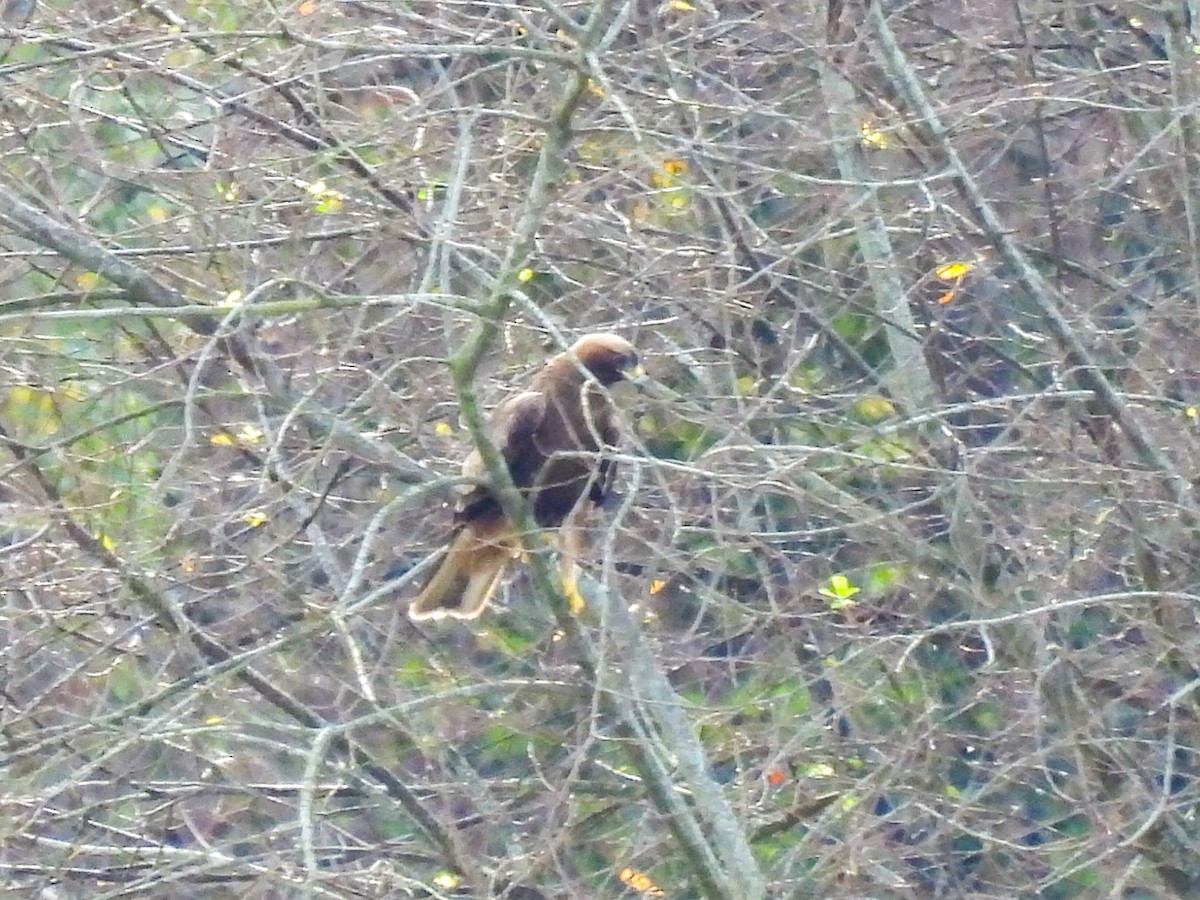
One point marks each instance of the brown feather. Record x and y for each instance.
(551, 437)
(467, 578)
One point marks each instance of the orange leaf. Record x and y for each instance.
(641, 883)
(307, 8)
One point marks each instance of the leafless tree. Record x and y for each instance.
(898, 594)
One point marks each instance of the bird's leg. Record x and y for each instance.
(570, 548)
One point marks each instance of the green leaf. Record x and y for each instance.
(840, 591)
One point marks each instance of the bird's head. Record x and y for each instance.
(609, 358)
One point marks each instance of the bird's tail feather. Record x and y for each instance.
(468, 576)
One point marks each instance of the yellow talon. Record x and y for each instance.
(574, 599)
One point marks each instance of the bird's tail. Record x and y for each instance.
(468, 576)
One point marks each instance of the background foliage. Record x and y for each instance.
(907, 527)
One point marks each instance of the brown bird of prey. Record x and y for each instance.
(553, 438)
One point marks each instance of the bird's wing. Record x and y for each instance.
(467, 578)
(514, 426)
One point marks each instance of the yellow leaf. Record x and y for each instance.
(105, 541)
(87, 281)
(443, 428)
(229, 192)
(34, 407)
(255, 519)
(682, 6)
(525, 275)
(213, 720)
(22, 395)
(746, 386)
(157, 213)
(871, 136)
(674, 166)
(233, 298)
(249, 436)
(329, 203)
(656, 586)
(222, 439)
(447, 881)
(953, 271)
(1191, 412)
(874, 409)
(640, 882)
(327, 199)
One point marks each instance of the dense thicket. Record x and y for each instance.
(907, 526)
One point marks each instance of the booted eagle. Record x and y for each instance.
(552, 437)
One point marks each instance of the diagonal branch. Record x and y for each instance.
(218, 657)
(142, 288)
(35, 225)
(1085, 369)
(707, 831)
(909, 381)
